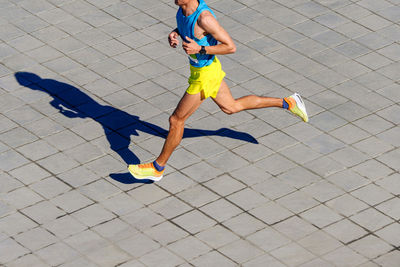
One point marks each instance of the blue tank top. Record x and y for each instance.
(186, 28)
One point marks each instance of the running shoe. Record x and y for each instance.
(145, 171)
(296, 106)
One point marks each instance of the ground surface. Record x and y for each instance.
(100, 82)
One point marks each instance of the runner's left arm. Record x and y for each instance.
(211, 26)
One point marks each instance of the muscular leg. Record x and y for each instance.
(187, 105)
(230, 105)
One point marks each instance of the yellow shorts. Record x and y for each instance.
(206, 80)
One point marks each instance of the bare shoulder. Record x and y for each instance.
(206, 19)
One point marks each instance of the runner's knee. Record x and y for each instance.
(235, 108)
(176, 121)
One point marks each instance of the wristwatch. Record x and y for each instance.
(203, 50)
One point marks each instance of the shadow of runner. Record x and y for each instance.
(73, 103)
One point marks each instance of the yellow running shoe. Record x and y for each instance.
(145, 171)
(296, 106)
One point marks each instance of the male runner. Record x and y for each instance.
(203, 38)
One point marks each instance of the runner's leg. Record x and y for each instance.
(187, 105)
(230, 105)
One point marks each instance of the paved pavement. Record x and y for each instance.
(87, 86)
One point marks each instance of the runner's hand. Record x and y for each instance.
(173, 39)
(191, 47)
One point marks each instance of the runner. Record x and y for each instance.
(203, 38)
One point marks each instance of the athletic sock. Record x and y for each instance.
(285, 104)
(158, 167)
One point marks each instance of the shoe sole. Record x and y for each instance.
(300, 103)
(139, 177)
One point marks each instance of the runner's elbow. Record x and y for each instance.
(232, 48)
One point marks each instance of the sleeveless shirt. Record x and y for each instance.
(186, 26)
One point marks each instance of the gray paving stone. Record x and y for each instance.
(58, 163)
(109, 255)
(319, 243)
(221, 210)
(35, 239)
(189, 247)
(341, 179)
(371, 219)
(264, 259)
(388, 259)
(11, 250)
(17, 137)
(295, 227)
(29, 173)
(43, 212)
(50, 187)
(240, 251)
(93, 215)
(390, 183)
(86, 241)
(292, 254)
(22, 197)
(391, 159)
(217, 236)
(194, 222)
(57, 253)
(166, 233)
(8, 183)
(370, 246)
(28, 260)
(170, 207)
(345, 231)
(347, 256)
(65, 226)
(321, 216)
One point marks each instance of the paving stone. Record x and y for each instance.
(240, 251)
(93, 215)
(57, 253)
(35, 239)
(170, 207)
(221, 210)
(143, 219)
(345, 231)
(50, 187)
(10, 160)
(43, 212)
(264, 259)
(28, 260)
(343, 256)
(109, 255)
(17, 137)
(390, 183)
(348, 180)
(189, 247)
(194, 221)
(388, 259)
(8, 183)
(22, 197)
(86, 241)
(314, 216)
(11, 250)
(319, 243)
(217, 236)
(347, 205)
(99, 190)
(65, 226)
(371, 219)
(247, 199)
(370, 246)
(292, 254)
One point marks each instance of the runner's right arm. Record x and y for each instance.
(173, 38)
